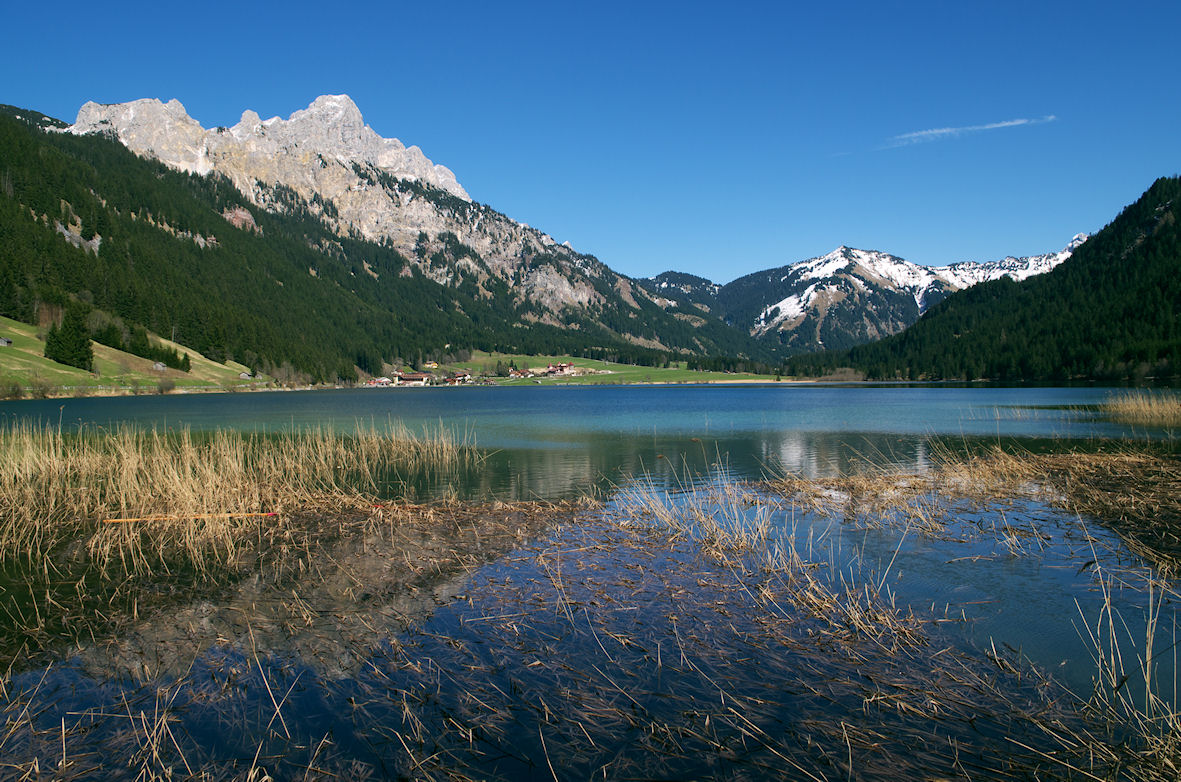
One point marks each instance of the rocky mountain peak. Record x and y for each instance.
(333, 109)
(256, 149)
(325, 160)
(333, 125)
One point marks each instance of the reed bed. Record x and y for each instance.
(190, 513)
(191, 495)
(1134, 490)
(683, 634)
(1144, 408)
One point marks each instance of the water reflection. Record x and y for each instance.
(559, 442)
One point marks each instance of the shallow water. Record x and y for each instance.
(601, 650)
(1015, 575)
(591, 651)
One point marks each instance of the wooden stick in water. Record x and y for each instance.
(166, 517)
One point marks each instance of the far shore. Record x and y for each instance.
(111, 392)
(86, 392)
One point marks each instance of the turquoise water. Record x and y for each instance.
(1033, 599)
(560, 441)
(562, 416)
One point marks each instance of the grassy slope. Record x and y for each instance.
(609, 374)
(24, 362)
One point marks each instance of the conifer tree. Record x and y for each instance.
(70, 343)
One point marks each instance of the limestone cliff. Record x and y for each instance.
(359, 183)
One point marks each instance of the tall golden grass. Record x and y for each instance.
(58, 486)
(1144, 408)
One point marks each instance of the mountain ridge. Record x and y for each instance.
(1112, 311)
(331, 124)
(87, 221)
(192, 255)
(845, 297)
(325, 160)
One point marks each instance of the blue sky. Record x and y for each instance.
(713, 138)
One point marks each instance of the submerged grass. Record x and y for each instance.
(1127, 726)
(673, 635)
(992, 715)
(1134, 489)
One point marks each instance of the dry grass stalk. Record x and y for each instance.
(1144, 408)
(624, 644)
(1137, 491)
(1140, 492)
(56, 486)
(732, 524)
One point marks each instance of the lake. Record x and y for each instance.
(540, 637)
(554, 442)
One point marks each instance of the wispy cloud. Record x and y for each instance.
(937, 134)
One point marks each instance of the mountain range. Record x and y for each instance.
(362, 184)
(309, 242)
(313, 243)
(324, 159)
(1111, 312)
(838, 300)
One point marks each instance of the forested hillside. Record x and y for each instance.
(86, 223)
(1109, 312)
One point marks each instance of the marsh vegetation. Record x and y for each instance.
(1144, 408)
(717, 628)
(98, 520)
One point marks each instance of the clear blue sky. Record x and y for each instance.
(713, 138)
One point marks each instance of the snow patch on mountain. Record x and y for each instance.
(866, 268)
(968, 273)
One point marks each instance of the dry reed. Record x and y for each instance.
(1135, 490)
(1128, 726)
(57, 486)
(691, 638)
(1144, 408)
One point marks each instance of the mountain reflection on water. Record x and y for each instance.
(557, 442)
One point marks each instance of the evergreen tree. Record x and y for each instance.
(70, 343)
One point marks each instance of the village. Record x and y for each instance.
(432, 377)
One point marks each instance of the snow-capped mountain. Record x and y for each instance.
(326, 162)
(846, 272)
(967, 273)
(846, 297)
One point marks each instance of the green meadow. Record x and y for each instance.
(596, 372)
(24, 370)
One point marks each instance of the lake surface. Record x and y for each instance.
(554, 442)
(1035, 595)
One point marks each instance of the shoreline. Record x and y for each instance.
(113, 393)
(104, 393)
